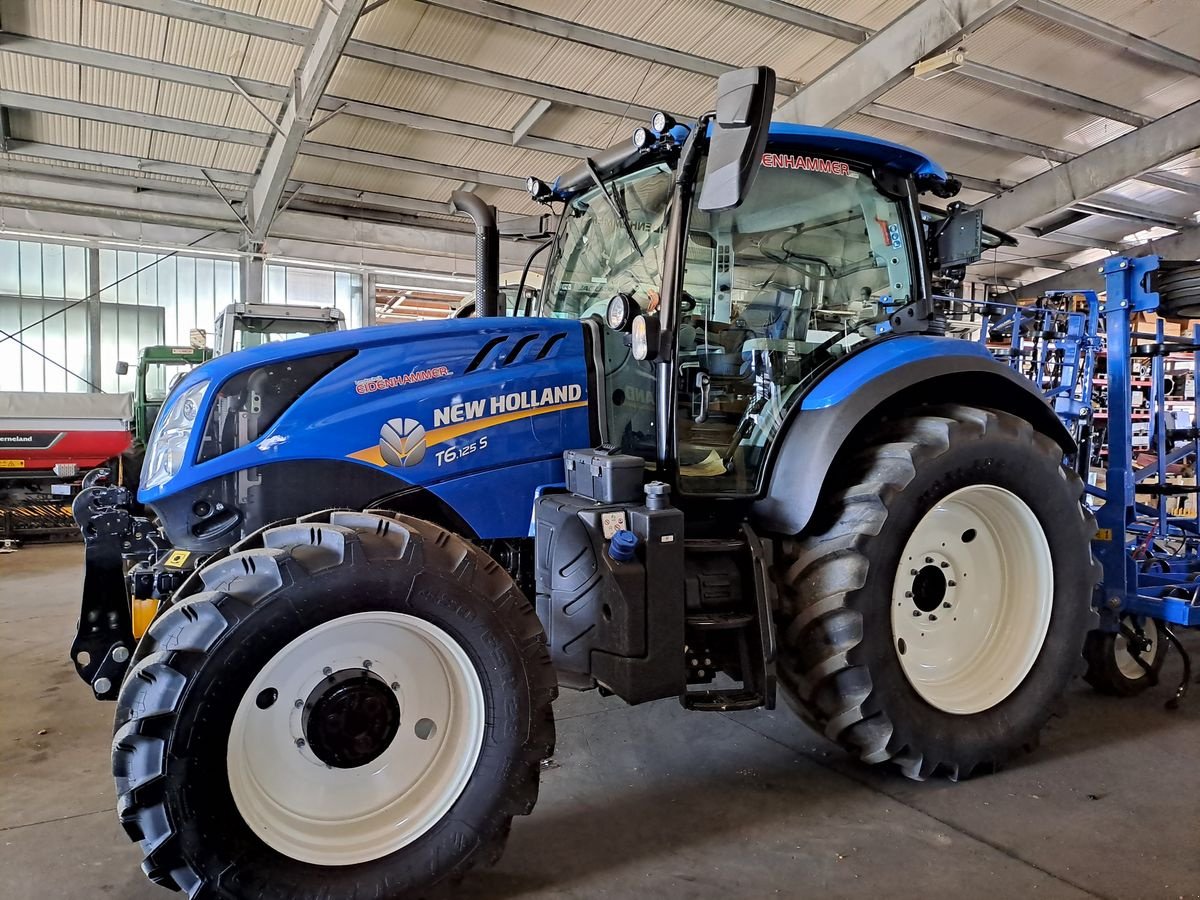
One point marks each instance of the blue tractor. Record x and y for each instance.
(732, 456)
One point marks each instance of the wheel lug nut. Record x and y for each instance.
(929, 559)
(366, 664)
(327, 671)
(945, 565)
(951, 584)
(916, 612)
(912, 571)
(946, 605)
(908, 593)
(299, 742)
(932, 617)
(299, 704)
(395, 685)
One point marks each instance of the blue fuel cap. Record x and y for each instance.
(623, 546)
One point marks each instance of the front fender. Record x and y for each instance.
(888, 378)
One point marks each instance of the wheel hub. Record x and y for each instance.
(351, 718)
(929, 588)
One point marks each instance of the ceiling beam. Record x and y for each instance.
(455, 127)
(205, 14)
(1120, 208)
(1067, 239)
(536, 110)
(804, 18)
(553, 26)
(56, 207)
(428, 65)
(59, 107)
(965, 132)
(6, 137)
(1184, 245)
(136, 65)
(121, 62)
(1048, 93)
(1119, 37)
(1165, 179)
(1097, 170)
(887, 58)
(329, 37)
(132, 163)
(192, 11)
(235, 183)
(407, 164)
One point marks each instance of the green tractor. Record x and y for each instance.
(159, 368)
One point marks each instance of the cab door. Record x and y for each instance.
(775, 291)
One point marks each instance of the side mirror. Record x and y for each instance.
(739, 136)
(122, 368)
(958, 239)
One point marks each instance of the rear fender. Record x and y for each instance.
(836, 416)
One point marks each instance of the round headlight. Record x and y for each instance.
(662, 122)
(642, 137)
(621, 310)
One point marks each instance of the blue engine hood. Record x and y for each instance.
(429, 403)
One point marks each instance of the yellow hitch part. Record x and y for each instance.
(144, 612)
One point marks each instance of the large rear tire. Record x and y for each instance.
(936, 610)
(351, 705)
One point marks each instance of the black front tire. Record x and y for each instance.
(839, 661)
(199, 658)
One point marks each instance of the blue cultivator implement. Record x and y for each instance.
(1129, 398)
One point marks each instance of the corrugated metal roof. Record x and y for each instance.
(1018, 42)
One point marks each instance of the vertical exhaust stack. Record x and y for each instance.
(487, 251)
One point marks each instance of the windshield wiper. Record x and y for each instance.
(616, 207)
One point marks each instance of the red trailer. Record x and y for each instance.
(47, 442)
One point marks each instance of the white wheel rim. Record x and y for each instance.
(315, 813)
(972, 598)
(1126, 664)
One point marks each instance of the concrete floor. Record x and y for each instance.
(653, 801)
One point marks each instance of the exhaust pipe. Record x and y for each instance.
(487, 251)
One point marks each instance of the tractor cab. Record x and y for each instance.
(159, 369)
(725, 304)
(244, 325)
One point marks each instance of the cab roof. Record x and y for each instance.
(862, 147)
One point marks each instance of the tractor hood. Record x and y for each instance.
(412, 406)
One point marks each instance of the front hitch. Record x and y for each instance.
(104, 638)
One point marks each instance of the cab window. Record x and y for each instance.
(808, 267)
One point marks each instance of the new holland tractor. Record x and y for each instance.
(733, 457)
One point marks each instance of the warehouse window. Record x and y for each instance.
(301, 286)
(44, 345)
(150, 298)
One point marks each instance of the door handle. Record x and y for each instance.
(700, 395)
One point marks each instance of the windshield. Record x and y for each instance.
(162, 376)
(252, 333)
(595, 257)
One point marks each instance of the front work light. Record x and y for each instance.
(538, 189)
(644, 337)
(662, 122)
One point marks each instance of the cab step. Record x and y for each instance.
(721, 701)
(719, 620)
